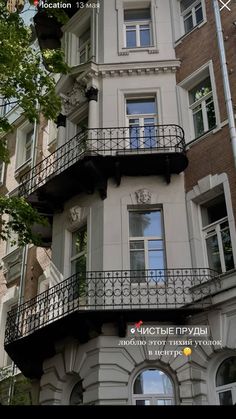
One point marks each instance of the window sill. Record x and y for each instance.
(203, 136)
(52, 145)
(23, 168)
(228, 273)
(149, 50)
(12, 258)
(11, 253)
(182, 38)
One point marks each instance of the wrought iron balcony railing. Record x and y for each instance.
(113, 290)
(149, 139)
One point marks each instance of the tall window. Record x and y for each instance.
(153, 387)
(217, 235)
(192, 13)
(137, 28)
(226, 382)
(146, 240)
(25, 136)
(79, 250)
(202, 107)
(142, 117)
(1, 171)
(12, 241)
(84, 47)
(29, 144)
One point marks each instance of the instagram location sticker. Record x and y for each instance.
(136, 326)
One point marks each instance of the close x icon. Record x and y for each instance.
(224, 4)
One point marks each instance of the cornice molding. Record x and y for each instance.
(129, 69)
(92, 72)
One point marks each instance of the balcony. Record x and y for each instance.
(85, 162)
(81, 304)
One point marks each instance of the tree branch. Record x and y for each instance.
(9, 103)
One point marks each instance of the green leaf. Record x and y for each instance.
(22, 218)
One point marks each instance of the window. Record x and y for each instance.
(25, 138)
(84, 47)
(82, 126)
(142, 117)
(226, 382)
(153, 387)
(28, 144)
(1, 172)
(76, 397)
(8, 105)
(146, 240)
(202, 107)
(79, 250)
(137, 28)
(51, 134)
(192, 13)
(12, 242)
(217, 235)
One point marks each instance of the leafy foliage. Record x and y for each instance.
(22, 75)
(18, 386)
(21, 219)
(24, 78)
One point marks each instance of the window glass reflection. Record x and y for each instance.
(227, 372)
(153, 382)
(144, 224)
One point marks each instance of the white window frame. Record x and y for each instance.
(202, 102)
(178, 22)
(8, 300)
(121, 6)
(12, 247)
(137, 24)
(146, 239)
(214, 229)
(86, 47)
(206, 189)
(2, 172)
(140, 116)
(80, 254)
(153, 398)
(21, 162)
(183, 88)
(228, 387)
(51, 135)
(84, 19)
(7, 106)
(29, 145)
(191, 10)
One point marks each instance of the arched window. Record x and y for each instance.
(226, 381)
(76, 396)
(153, 387)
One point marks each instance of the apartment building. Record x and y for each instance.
(138, 180)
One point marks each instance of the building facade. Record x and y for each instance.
(138, 181)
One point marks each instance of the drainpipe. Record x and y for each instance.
(225, 76)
